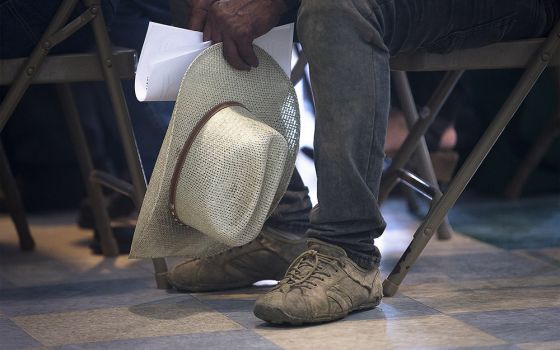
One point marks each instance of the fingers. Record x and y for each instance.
(234, 32)
(198, 19)
(207, 33)
(247, 53)
(240, 53)
(231, 54)
(216, 36)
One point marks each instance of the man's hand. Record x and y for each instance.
(237, 23)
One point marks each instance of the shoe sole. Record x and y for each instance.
(277, 316)
(208, 288)
(201, 288)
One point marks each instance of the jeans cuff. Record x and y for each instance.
(295, 227)
(367, 262)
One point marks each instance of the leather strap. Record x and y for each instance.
(186, 147)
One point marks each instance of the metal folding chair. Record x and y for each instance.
(533, 55)
(108, 65)
(14, 203)
(549, 133)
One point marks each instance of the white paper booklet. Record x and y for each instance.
(168, 51)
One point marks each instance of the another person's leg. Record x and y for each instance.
(348, 45)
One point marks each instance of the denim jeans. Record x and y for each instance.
(348, 45)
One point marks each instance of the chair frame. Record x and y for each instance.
(57, 31)
(15, 203)
(548, 134)
(533, 55)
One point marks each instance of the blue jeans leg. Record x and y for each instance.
(291, 217)
(348, 45)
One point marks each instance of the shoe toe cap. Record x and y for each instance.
(278, 306)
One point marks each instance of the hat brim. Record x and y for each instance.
(266, 91)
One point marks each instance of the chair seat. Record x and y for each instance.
(71, 68)
(514, 54)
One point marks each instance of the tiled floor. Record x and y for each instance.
(462, 294)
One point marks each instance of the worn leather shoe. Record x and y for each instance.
(321, 285)
(265, 258)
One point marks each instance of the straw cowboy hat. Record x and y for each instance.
(225, 162)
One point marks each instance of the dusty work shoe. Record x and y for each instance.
(265, 258)
(322, 284)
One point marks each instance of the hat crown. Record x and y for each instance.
(229, 177)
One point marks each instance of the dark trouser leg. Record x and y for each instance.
(348, 44)
(291, 216)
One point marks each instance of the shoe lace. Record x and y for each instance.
(310, 268)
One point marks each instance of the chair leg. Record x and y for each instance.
(439, 210)
(546, 138)
(549, 133)
(124, 126)
(425, 167)
(102, 221)
(390, 179)
(14, 202)
(298, 72)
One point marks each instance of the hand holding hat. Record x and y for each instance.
(237, 23)
(225, 162)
